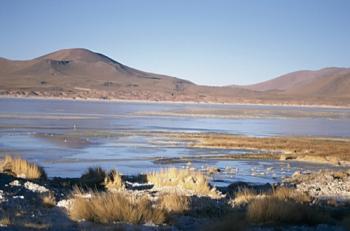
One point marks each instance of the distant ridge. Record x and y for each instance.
(327, 82)
(81, 73)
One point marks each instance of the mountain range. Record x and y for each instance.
(82, 74)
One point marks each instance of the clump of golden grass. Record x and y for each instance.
(5, 221)
(107, 207)
(243, 196)
(21, 168)
(275, 210)
(283, 205)
(246, 195)
(113, 181)
(182, 178)
(49, 200)
(174, 202)
(93, 176)
(284, 193)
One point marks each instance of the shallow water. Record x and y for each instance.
(116, 135)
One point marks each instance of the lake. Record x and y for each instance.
(66, 137)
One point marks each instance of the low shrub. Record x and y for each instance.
(243, 196)
(273, 210)
(22, 168)
(93, 177)
(174, 202)
(108, 207)
(187, 179)
(113, 181)
(49, 200)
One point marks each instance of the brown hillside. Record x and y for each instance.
(80, 73)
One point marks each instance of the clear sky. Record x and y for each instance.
(214, 42)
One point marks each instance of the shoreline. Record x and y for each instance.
(173, 102)
(61, 203)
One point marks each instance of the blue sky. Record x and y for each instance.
(214, 42)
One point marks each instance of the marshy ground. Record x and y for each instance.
(313, 149)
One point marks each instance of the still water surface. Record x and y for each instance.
(35, 129)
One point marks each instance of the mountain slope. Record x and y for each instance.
(333, 82)
(81, 73)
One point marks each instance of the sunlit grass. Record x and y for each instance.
(186, 179)
(21, 168)
(174, 202)
(113, 181)
(108, 207)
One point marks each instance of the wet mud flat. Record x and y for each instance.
(238, 158)
(313, 149)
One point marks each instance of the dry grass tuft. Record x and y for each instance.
(49, 200)
(243, 196)
(22, 168)
(284, 205)
(93, 176)
(5, 221)
(174, 202)
(107, 207)
(182, 178)
(113, 181)
(284, 193)
(246, 195)
(273, 210)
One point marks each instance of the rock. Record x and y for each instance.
(15, 183)
(2, 196)
(65, 203)
(35, 187)
(296, 173)
(286, 157)
(323, 186)
(213, 170)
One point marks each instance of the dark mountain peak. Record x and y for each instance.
(77, 54)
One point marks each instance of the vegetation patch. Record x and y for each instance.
(113, 181)
(174, 202)
(21, 168)
(5, 221)
(322, 150)
(93, 177)
(49, 200)
(108, 207)
(184, 179)
(272, 210)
